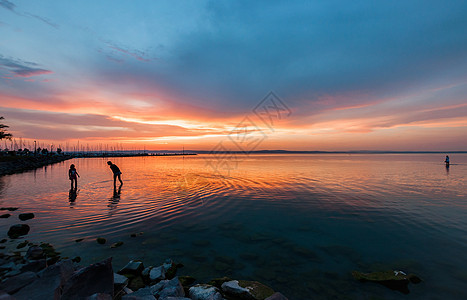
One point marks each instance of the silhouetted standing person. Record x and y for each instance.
(447, 161)
(116, 171)
(73, 175)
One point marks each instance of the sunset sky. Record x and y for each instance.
(345, 75)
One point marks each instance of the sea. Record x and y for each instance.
(299, 223)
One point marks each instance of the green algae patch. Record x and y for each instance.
(186, 280)
(395, 280)
(258, 290)
(49, 250)
(217, 282)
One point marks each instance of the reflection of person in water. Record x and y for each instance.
(117, 192)
(73, 175)
(72, 194)
(116, 171)
(113, 201)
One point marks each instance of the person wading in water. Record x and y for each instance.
(73, 175)
(116, 171)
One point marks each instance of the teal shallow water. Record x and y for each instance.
(299, 223)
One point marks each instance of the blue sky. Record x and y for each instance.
(371, 74)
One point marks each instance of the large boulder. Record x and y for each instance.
(15, 283)
(49, 283)
(248, 290)
(96, 278)
(205, 292)
(18, 230)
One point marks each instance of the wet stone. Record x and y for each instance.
(117, 244)
(247, 289)
(167, 264)
(120, 281)
(9, 208)
(136, 283)
(4, 216)
(145, 272)
(18, 230)
(49, 250)
(134, 267)
(395, 280)
(34, 266)
(173, 288)
(26, 216)
(205, 292)
(141, 294)
(15, 283)
(22, 245)
(97, 278)
(157, 273)
(217, 282)
(7, 267)
(186, 280)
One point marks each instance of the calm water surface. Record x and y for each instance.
(299, 223)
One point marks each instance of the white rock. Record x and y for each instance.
(157, 273)
(205, 292)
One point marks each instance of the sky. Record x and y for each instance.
(236, 75)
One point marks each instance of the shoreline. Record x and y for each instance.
(17, 164)
(10, 165)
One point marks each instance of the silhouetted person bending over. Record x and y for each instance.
(73, 175)
(116, 171)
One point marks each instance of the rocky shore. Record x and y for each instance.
(17, 164)
(40, 273)
(37, 271)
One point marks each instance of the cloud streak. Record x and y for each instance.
(7, 5)
(22, 68)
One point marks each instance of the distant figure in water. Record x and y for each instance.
(73, 175)
(447, 161)
(116, 171)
